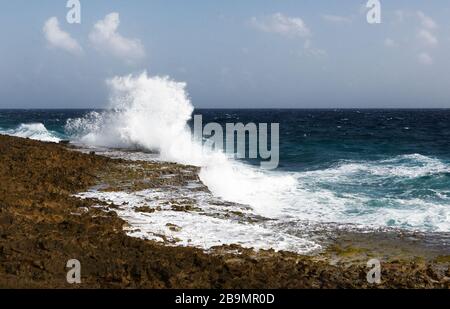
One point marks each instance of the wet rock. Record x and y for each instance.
(173, 227)
(42, 227)
(145, 209)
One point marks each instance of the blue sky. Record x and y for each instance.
(253, 53)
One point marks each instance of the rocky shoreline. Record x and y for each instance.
(42, 226)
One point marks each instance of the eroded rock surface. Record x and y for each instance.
(42, 226)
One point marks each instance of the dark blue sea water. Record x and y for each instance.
(381, 167)
(309, 139)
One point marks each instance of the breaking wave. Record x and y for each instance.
(35, 131)
(152, 113)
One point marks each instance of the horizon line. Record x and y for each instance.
(244, 108)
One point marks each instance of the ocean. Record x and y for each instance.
(353, 169)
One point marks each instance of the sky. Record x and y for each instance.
(230, 53)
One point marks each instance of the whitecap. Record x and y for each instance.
(35, 131)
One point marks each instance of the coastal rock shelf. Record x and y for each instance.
(43, 225)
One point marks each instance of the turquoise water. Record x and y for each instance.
(370, 167)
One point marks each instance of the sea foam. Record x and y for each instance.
(35, 131)
(151, 113)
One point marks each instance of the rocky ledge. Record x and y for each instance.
(42, 226)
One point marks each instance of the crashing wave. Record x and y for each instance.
(152, 113)
(35, 131)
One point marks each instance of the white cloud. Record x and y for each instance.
(58, 38)
(427, 38)
(426, 21)
(390, 43)
(425, 58)
(282, 25)
(290, 27)
(105, 38)
(313, 51)
(336, 19)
